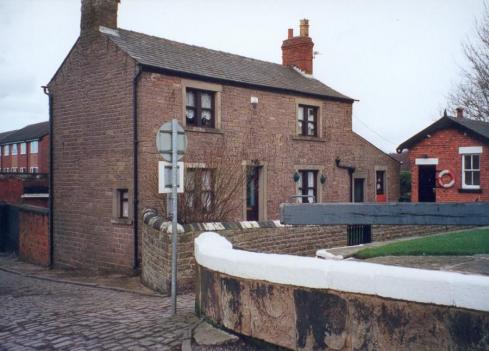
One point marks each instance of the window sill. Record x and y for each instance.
(470, 191)
(204, 130)
(122, 221)
(308, 138)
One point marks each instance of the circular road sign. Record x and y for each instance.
(164, 142)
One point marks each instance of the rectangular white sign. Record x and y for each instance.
(164, 177)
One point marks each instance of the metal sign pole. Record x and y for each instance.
(174, 221)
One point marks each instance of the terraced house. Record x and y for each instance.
(24, 167)
(289, 134)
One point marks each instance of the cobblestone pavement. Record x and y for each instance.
(45, 315)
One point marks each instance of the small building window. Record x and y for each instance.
(200, 108)
(23, 148)
(307, 120)
(34, 169)
(380, 182)
(471, 171)
(6, 150)
(34, 147)
(199, 189)
(123, 195)
(22, 169)
(6, 170)
(14, 149)
(308, 186)
(13, 170)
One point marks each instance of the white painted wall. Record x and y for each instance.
(442, 288)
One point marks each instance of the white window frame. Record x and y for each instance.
(23, 148)
(14, 150)
(13, 170)
(6, 150)
(34, 170)
(6, 170)
(32, 151)
(467, 186)
(21, 169)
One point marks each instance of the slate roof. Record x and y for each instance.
(5, 134)
(199, 62)
(30, 132)
(478, 129)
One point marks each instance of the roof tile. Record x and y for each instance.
(206, 63)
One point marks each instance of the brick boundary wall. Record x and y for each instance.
(34, 235)
(268, 237)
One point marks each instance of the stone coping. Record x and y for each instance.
(32, 209)
(216, 253)
(158, 222)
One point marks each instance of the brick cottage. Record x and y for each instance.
(286, 131)
(450, 160)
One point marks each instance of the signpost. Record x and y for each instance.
(171, 143)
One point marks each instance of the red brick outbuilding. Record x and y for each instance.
(450, 161)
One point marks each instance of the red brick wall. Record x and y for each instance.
(34, 236)
(13, 186)
(92, 136)
(11, 189)
(444, 145)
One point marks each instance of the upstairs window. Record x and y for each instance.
(34, 170)
(23, 148)
(14, 149)
(200, 108)
(6, 150)
(307, 120)
(471, 172)
(308, 186)
(34, 147)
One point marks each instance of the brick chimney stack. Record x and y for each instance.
(96, 13)
(297, 51)
(460, 112)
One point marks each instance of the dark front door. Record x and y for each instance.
(252, 193)
(358, 190)
(427, 184)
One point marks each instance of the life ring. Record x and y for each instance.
(444, 173)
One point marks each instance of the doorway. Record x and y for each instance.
(427, 183)
(253, 193)
(358, 189)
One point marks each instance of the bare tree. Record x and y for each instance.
(211, 190)
(473, 92)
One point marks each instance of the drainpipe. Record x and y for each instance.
(350, 170)
(50, 178)
(135, 163)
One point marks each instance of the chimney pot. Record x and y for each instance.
(96, 13)
(460, 112)
(290, 33)
(304, 27)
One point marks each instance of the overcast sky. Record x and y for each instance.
(399, 58)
